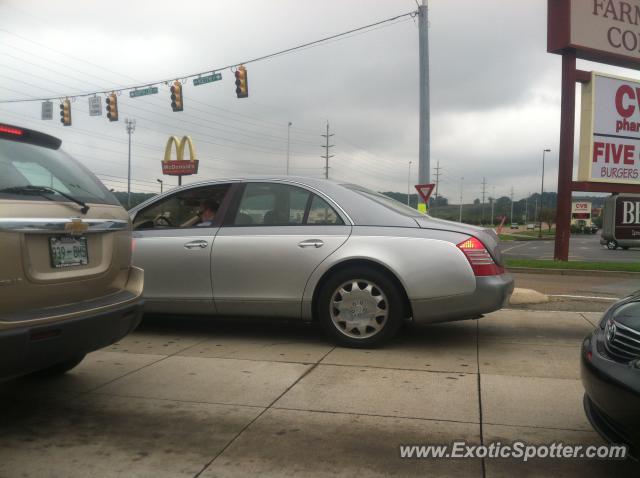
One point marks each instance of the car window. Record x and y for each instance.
(23, 165)
(183, 209)
(271, 204)
(321, 213)
(386, 201)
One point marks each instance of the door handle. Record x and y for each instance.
(196, 244)
(311, 243)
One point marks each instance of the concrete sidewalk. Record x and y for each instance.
(202, 398)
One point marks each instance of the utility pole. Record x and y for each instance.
(526, 209)
(161, 184)
(461, 183)
(438, 173)
(131, 126)
(424, 167)
(511, 217)
(326, 155)
(484, 189)
(493, 200)
(288, 144)
(409, 183)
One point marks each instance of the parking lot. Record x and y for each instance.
(583, 247)
(193, 397)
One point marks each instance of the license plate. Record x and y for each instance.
(68, 251)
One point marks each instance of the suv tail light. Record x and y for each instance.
(481, 261)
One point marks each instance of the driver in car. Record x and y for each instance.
(208, 209)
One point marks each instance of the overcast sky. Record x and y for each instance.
(495, 91)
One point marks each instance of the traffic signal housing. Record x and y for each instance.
(176, 96)
(242, 86)
(65, 112)
(112, 107)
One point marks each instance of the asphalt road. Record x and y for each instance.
(581, 248)
(588, 292)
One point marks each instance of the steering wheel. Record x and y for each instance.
(162, 220)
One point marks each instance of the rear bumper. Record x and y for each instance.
(492, 293)
(39, 339)
(27, 349)
(612, 394)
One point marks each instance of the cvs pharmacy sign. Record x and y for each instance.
(610, 130)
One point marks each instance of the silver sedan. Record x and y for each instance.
(352, 259)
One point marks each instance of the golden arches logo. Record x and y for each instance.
(181, 166)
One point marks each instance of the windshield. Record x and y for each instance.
(385, 200)
(24, 165)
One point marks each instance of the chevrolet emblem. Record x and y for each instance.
(76, 227)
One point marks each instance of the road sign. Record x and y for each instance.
(201, 80)
(47, 110)
(152, 90)
(425, 190)
(95, 106)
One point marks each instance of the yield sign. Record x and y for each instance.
(425, 190)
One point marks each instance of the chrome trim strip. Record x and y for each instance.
(47, 225)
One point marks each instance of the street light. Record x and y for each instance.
(288, 144)
(542, 191)
(461, 182)
(160, 181)
(409, 183)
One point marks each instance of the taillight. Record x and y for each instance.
(479, 258)
(10, 130)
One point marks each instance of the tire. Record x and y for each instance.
(612, 245)
(377, 304)
(61, 367)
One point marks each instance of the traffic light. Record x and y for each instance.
(65, 112)
(176, 96)
(242, 86)
(112, 107)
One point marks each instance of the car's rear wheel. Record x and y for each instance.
(360, 307)
(612, 245)
(61, 367)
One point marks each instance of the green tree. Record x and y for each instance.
(548, 216)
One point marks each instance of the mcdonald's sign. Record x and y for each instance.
(181, 166)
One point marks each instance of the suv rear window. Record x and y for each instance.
(23, 164)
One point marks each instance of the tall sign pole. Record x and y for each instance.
(595, 31)
(424, 167)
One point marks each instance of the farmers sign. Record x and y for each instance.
(610, 130)
(607, 31)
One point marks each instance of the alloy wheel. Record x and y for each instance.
(359, 309)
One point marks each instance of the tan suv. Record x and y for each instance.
(67, 286)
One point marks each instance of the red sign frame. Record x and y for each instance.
(425, 195)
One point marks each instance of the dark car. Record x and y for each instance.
(610, 372)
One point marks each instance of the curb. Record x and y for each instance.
(527, 297)
(574, 272)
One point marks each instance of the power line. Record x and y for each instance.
(210, 70)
